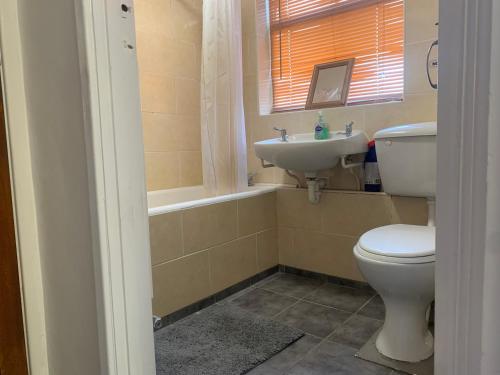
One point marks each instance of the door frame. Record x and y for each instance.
(468, 201)
(116, 155)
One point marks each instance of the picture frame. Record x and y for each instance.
(330, 84)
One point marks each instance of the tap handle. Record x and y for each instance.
(284, 136)
(348, 128)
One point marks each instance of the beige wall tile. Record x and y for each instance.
(187, 96)
(256, 213)
(154, 53)
(157, 93)
(181, 282)
(169, 59)
(248, 22)
(337, 118)
(267, 249)
(415, 74)
(161, 55)
(207, 226)
(409, 210)
(165, 233)
(344, 179)
(295, 210)
(324, 253)
(354, 213)
(233, 262)
(281, 177)
(162, 170)
(188, 21)
(415, 108)
(157, 132)
(165, 132)
(191, 168)
(263, 175)
(285, 244)
(154, 17)
(420, 19)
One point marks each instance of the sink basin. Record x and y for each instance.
(303, 153)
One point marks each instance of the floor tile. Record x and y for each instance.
(264, 369)
(287, 358)
(263, 302)
(267, 280)
(292, 285)
(314, 319)
(356, 331)
(374, 309)
(340, 297)
(233, 296)
(336, 359)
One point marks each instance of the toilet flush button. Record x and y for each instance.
(388, 142)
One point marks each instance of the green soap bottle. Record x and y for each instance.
(321, 129)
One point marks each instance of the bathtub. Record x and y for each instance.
(202, 247)
(163, 201)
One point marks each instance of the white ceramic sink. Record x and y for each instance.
(303, 153)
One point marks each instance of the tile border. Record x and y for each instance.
(219, 296)
(327, 278)
(214, 298)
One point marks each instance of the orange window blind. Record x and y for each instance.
(309, 32)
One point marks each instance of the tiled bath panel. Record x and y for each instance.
(337, 321)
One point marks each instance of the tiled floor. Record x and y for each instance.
(336, 320)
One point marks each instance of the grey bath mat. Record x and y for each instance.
(370, 353)
(220, 340)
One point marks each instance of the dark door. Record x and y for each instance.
(12, 346)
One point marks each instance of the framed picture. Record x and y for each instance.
(330, 84)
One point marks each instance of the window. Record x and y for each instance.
(309, 32)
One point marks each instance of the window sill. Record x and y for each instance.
(355, 104)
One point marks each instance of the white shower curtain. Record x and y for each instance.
(224, 149)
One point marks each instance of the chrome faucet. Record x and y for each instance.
(348, 129)
(283, 135)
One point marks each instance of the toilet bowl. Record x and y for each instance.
(398, 262)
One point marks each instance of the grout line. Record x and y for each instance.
(183, 242)
(327, 337)
(303, 299)
(208, 248)
(294, 304)
(285, 309)
(356, 313)
(237, 218)
(257, 252)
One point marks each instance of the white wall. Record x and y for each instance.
(60, 179)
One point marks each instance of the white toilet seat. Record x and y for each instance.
(387, 259)
(399, 243)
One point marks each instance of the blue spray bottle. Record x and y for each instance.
(372, 175)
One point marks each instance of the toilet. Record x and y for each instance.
(398, 260)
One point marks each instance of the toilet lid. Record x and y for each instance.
(400, 241)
